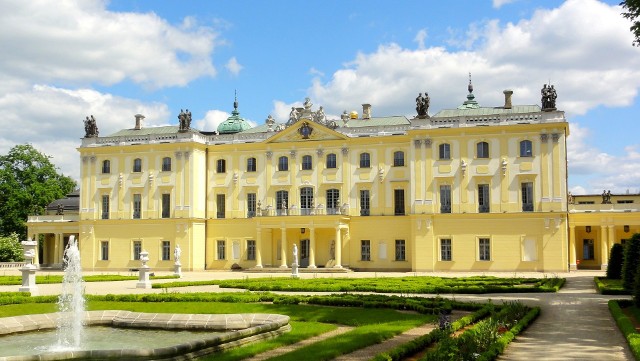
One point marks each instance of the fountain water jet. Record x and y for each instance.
(71, 299)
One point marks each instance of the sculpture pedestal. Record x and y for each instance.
(294, 270)
(29, 280)
(177, 270)
(143, 277)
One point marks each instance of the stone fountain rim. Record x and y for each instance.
(238, 329)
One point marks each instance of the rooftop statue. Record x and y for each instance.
(549, 96)
(293, 116)
(185, 120)
(422, 105)
(90, 127)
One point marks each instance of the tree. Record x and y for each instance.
(614, 268)
(28, 183)
(10, 249)
(630, 265)
(632, 12)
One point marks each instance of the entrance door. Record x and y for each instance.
(304, 253)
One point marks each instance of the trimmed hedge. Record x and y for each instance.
(625, 325)
(607, 289)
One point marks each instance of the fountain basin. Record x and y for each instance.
(237, 329)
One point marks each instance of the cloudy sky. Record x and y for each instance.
(64, 60)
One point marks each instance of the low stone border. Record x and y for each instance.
(239, 329)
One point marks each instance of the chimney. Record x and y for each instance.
(366, 111)
(507, 98)
(139, 118)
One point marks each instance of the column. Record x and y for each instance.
(283, 247)
(572, 248)
(612, 238)
(604, 254)
(312, 247)
(259, 248)
(338, 249)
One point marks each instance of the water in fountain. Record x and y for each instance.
(71, 299)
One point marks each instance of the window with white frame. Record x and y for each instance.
(365, 250)
(220, 205)
(444, 151)
(483, 198)
(104, 250)
(332, 161)
(526, 148)
(251, 205)
(307, 162)
(282, 202)
(137, 248)
(400, 250)
(365, 201)
(445, 198)
(365, 160)
(445, 249)
(251, 250)
(484, 249)
(527, 196)
(137, 206)
(221, 255)
(588, 249)
(166, 250)
(333, 201)
(105, 206)
(166, 205)
(398, 159)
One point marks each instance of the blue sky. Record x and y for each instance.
(115, 59)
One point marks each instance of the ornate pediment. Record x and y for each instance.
(305, 130)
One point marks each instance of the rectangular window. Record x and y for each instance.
(365, 250)
(283, 164)
(445, 198)
(137, 206)
(364, 202)
(331, 161)
(588, 251)
(137, 248)
(307, 161)
(104, 250)
(166, 205)
(221, 250)
(398, 159)
(445, 249)
(166, 250)
(530, 250)
(220, 206)
(106, 166)
(251, 205)
(482, 150)
(105, 206)
(251, 164)
(444, 151)
(484, 249)
(365, 160)
(251, 250)
(398, 202)
(137, 165)
(221, 166)
(527, 196)
(400, 250)
(333, 201)
(282, 199)
(166, 164)
(526, 148)
(625, 201)
(483, 198)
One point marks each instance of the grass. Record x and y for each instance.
(434, 285)
(626, 325)
(47, 279)
(608, 286)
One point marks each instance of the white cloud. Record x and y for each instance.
(281, 110)
(211, 120)
(315, 72)
(81, 43)
(233, 66)
(498, 3)
(421, 36)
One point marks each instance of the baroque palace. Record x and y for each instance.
(468, 189)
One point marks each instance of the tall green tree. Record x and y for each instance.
(630, 264)
(632, 12)
(616, 259)
(28, 182)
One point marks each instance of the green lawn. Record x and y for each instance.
(608, 286)
(422, 284)
(46, 279)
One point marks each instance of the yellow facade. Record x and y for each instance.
(480, 189)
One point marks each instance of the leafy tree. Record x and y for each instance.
(10, 249)
(616, 257)
(630, 264)
(28, 183)
(632, 12)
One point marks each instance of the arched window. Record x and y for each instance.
(398, 159)
(283, 163)
(137, 165)
(166, 164)
(444, 151)
(221, 166)
(306, 162)
(482, 150)
(106, 166)
(365, 160)
(331, 161)
(251, 164)
(526, 148)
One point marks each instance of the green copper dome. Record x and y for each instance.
(233, 124)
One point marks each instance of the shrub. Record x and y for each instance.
(616, 258)
(10, 249)
(630, 264)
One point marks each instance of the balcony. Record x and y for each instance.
(54, 218)
(610, 207)
(484, 209)
(445, 208)
(527, 207)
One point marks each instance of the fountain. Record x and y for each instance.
(124, 334)
(71, 299)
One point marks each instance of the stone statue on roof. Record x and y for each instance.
(548, 97)
(185, 120)
(319, 116)
(90, 127)
(293, 116)
(422, 105)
